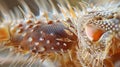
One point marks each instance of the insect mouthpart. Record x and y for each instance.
(93, 33)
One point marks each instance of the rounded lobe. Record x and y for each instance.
(93, 33)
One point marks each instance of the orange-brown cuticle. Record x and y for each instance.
(93, 33)
(113, 61)
(4, 33)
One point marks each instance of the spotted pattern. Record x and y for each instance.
(104, 20)
(43, 37)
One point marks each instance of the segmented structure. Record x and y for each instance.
(81, 36)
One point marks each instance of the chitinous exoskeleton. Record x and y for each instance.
(38, 36)
(99, 32)
(80, 36)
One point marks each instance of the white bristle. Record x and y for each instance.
(102, 14)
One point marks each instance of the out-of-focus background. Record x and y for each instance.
(34, 8)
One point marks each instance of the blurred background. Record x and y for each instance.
(34, 8)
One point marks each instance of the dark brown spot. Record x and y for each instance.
(50, 22)
(29, 21)
(19, 25)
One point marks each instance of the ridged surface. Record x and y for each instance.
(86, 35)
